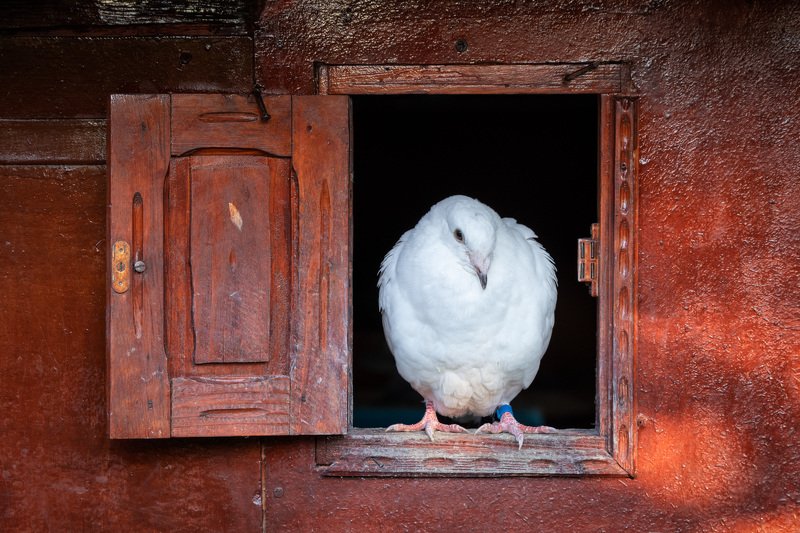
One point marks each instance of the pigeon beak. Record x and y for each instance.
(481, 266)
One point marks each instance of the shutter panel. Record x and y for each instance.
(230, 254)
(229, 313)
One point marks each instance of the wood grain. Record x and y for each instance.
(66, 141)
(230, 257)
(213, 121)
(224, 256)
(469, 79)
(180, 335)
(138, 385)
(83, 13)
(624, 296)
(274, 208)
(373, 452)
(71, 77)
(52, 362)
(219, 406)
(321, 308)
(605, 306)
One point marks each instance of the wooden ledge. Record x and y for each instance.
(373, 452)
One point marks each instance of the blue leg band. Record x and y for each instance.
(503, 409)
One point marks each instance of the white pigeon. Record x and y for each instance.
(468, 303)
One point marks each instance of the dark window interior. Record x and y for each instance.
(530, 157)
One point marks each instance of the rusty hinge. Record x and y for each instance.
(588, 265)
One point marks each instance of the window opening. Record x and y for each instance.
(530, 157)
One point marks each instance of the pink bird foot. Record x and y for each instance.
(509, 424)
(429, 423)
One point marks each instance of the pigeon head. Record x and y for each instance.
(472, 231)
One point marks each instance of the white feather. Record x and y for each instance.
(466, 348)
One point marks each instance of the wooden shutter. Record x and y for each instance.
(228, 304)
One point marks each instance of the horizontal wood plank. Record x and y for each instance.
(230, 121)
(49, 142)
(60, 13)
(224, 406)
(71, 77)
(373, 452)
(471, 79)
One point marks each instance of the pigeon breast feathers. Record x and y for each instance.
(467, 300)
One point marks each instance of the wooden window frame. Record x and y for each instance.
(608, 449)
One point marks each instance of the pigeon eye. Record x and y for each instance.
(458, 235)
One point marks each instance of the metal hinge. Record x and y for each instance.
(588, 265)
(120, 266)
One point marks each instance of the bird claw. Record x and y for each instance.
(429, 423)
(508, 424)
(429, 426)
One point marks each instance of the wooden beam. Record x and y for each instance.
(471, 79)
(18, 14)
(48, 142)
(373, 452)
(68, 77)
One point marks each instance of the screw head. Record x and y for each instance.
(139, 266)
(461, 46)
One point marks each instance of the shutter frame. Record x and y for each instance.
(138, 156)
(155, 388)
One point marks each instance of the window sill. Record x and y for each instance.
(373, 452)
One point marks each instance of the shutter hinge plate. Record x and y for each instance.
(120, 266)
(588, 264)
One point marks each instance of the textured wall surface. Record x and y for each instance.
(58, 469)
(718, 381)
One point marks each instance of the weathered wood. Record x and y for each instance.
(321, 309)
(52, 141)
(373, 452)
(221, 406)
(230, 121)
(52, 362)
(59, 13)
(625, 229)
(717, 391)
(470, 79)
(230, 257)
(138, 385)
(72, 77)
(616, 427)
(180, 334)
(178, 327)
(605, 301)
